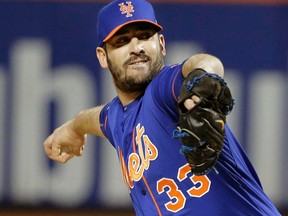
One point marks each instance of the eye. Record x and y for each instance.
(145, 35)
(121, 41)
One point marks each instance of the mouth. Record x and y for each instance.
(138, 62)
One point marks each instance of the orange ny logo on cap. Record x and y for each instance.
(127, 9)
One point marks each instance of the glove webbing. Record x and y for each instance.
(191, 84)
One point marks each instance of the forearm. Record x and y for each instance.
(69, 139)
(207, 62)
(87, 122)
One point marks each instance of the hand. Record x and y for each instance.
(64, 143)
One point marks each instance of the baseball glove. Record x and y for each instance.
(201, 129)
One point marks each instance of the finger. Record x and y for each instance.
(82, 147)
(81, 150)
(48, 146)
(78, 151)
(192, 102)
(189, 104)
(196, 99)
(64, 157)
(55, 151)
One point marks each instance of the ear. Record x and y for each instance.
(102, 57)
(162, 44)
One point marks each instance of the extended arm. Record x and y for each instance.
(69, 139)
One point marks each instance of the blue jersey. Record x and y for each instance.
(157, 175)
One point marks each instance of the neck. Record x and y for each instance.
(127, 98)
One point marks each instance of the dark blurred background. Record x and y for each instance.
(49, 72)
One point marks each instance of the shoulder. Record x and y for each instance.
(170, 69)
(165, 87)
(108, 108)
(168, 74)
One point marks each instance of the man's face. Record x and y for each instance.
(135, 55)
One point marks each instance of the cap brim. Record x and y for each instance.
(158, 28)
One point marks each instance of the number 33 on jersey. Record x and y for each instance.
(200, 185)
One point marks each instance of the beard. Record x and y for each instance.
(133, 83)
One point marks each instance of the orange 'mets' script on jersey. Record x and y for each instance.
(138, 161)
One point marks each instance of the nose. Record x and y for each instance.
(136, 46)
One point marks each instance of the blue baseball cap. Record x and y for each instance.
(119, 13)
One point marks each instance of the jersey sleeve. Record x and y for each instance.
(104, 123)
(166, 88)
